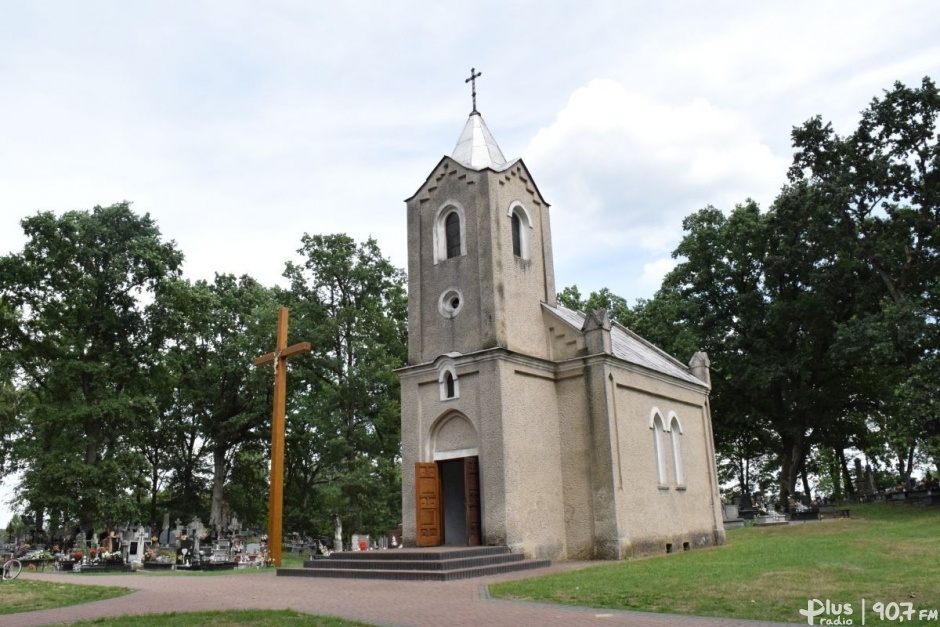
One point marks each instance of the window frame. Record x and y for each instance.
(439, 230)
(675, 435)
(517, 211)
(658, 427)
(448, 370)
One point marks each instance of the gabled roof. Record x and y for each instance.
(476, 148)
(630, 347)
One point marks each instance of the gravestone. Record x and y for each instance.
(868, 485)
(196, 532)
(184, 554)
(138, 545)
(730, 511)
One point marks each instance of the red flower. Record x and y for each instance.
(77, 555)
(93, 552)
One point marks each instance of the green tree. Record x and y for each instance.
(343, 440)
(218, 401)
(881, 185)
(616, 306)
(81, 329)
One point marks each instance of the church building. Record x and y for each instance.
(557, 433)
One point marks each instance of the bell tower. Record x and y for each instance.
(480, 273)
(479, 254)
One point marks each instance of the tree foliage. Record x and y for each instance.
(820, 313)
(81, 332)
(343, 449)
(127, 392)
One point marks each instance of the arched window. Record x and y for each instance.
(521, 224)
(450, 232)
(675, 434)
(449, 385)
(452, 229)
(659, 445)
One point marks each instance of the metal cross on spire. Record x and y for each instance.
(473, 85)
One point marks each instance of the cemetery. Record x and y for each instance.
(129, 548)
(755, 510)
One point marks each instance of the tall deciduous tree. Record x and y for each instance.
(881, 185)
(343, 440)
(215, 400)
(82, 329)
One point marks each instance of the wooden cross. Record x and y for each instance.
(276, 497)
(473, 87)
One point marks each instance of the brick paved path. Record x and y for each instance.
(417, 604)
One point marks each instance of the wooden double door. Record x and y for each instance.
(448, 502)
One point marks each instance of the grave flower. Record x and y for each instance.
(77, 555)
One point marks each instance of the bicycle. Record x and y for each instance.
(11, 569)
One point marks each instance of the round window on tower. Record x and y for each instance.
(450, 303)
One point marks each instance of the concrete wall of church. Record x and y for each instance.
(499, 291)
(521, 282)
(431, 333)
(411, 429)
(433, 429)
(681, 513)
(577, 452)
(535, 520)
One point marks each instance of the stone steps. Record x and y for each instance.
(435, 564)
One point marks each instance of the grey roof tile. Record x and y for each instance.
(631, 348)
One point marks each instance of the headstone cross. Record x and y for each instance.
(474, 75)
(276, 498)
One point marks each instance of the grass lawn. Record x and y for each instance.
(883, 554)
(26, 595)
(256, 618)
(22, 595)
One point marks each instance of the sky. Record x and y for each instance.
(240, 126)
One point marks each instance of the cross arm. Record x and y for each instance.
(300, 347)
(290, 351)
(264, 359)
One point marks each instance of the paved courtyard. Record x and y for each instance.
(418, 604)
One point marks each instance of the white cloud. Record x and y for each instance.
(654, 272)
(622, 170)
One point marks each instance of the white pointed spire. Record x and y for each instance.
(476, 147)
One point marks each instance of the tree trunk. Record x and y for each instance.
(807, 496)
(792, 461)
(835, 475)
(784, 481)
(154, 490)
(37, 521)
(846, 474)
(218, 483)
(906, 466)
